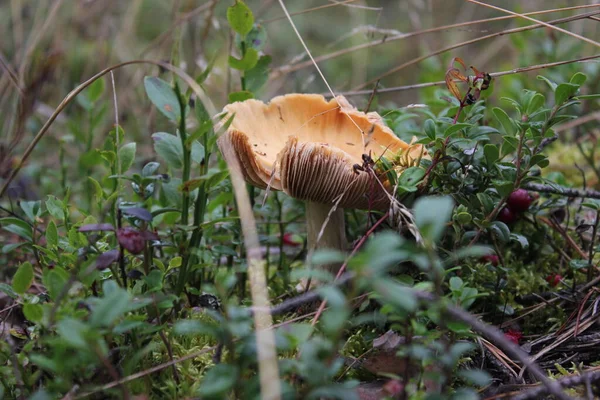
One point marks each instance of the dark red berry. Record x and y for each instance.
(513, 335)
(491, 258)
(131, 239)
(554, 279)
(291, 239)
(519, 200)
(507, 215)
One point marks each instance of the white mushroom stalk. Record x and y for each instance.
(308, 147)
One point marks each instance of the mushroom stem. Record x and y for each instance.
(334, 232)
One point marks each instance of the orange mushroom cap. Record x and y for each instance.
(307, 146)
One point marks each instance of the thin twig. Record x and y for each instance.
(492, 74)
(562, 191)
(295, 67)
(537, 21)
(475, 40)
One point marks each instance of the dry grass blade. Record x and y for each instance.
(300, 65)
(492, 74)
(267, 355)
(71, 96)
(308, 10)
(587, 40)
(476, 40)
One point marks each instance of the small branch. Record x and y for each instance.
(566, 382)
(562, 191)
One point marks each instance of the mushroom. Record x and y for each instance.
(312, 149)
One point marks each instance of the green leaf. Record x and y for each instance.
(8, 290)
(431, 215)
(492, 153)
(240, 18)
(258, 76)
(505, 121)
(411, 176)
(163, 96)
(18, 227)
(578, 78)
(522, 240)
(563, 92)
(551, 84)
(55, 282)
(503, 187)
(218, 381)
(455, 128)
(126, 156)
(256, 38)
(168, 147)
(240, 96)
(476, 376)
(52, 234)
(395, 293)
(33, 312)
(23, 278)
(247, 62)
(509, 144)
(95, 90)
(536, 102)
(501, 230)
(55, 207)
(429, 128)
(74, 332)
(112, 306)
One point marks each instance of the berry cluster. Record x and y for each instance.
(518, 202)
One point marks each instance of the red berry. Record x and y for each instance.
(554, 279)
(507, 215)
(131, 239)
(291, 239)
(513, 335)
(491, 258)
(519, 200)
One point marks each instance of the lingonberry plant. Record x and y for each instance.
(153, 271)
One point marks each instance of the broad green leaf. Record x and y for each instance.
(240, 96)
(110, 307)
(18, 227)
(505, 121)
(55, 282)
(240, 18)
(127, 156)
(168, 147)
(247, 62)
(431, 215)
(31, 208)
(429, 128)
(55, 207)
(258, 76)
(74, 332)
(535, 103)
(492, 153)
(551, 84)
(578, 78)
(218, 381)
(23, 278)
(33, 312)
(564, 91)
(52, 234)
(163, 96)
(95, 90)
(501, 230)
(455, 128)
(256, 38)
